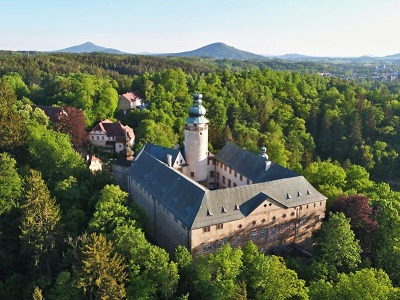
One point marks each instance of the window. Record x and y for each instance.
(102, 138)
(234, 184)
(292, 214)
(220, 226)
(248, 181)
(235, 174)
(230, 171)
(272, 230)
(206, 229)
(239, 239)
(211, 174)
(220, 243)
(97, 137)
(253, 234)
(181, 161)
(217, 175)
(229, 183)
(225, 167)
(223, 179)
(92, 137)
(207, 247)
(201, 133)
(241, 177)
(262, 232)
(191, 174)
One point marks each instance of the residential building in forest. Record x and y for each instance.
(112, 137)
(202, 201)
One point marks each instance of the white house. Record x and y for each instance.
(111, 136)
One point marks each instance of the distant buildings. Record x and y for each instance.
(129, 101)
(202, 201)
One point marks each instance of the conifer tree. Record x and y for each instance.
(40, 217)
(101, 274)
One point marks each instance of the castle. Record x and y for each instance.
(203, 201)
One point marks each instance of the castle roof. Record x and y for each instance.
(160, 152)
(177, 193)
(197, 111)
(250, 165)
(196, 206)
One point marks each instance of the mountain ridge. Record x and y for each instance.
(219, 51)
(89, 47)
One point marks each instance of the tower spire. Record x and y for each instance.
(196, 141)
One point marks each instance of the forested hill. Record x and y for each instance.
(69, 234)
(220, 51)
(89, 47)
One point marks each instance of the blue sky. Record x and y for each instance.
(311, 27)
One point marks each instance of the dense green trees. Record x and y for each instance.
(10, 183)
(337, 247)
(101, 273)
(334, 132)
(40, 217)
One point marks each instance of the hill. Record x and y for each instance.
(89, 48)
(218, 51)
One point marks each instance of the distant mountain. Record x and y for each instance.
(393, 56)
(219, 51)
(296, 56)
(89, 48)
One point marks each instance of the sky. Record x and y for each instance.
(274, 27)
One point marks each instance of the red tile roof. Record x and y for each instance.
(114, 129)
(131, 96)
(52, 112)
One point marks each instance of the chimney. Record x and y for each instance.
(267, 165)
(169, 159)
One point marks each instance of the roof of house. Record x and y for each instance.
(161, 152)
(114, 129)
(196, 206)
(250, 165)
(131, 96)
(53, 112)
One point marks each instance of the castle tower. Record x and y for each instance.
(196, 141)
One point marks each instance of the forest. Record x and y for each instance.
(66, 233)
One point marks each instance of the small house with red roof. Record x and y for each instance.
(112, 137)
(129, 101)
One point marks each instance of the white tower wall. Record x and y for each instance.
(196, 151)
